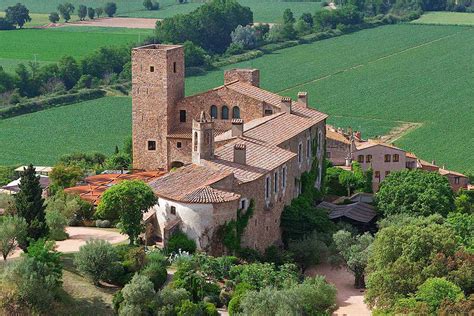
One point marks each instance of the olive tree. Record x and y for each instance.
(12, 232)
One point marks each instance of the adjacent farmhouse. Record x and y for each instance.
(233, 149)
(344, 147)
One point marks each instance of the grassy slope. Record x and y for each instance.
(44, 136)
(264, 10)
(51, 44)
(459, 18)
(345, 77)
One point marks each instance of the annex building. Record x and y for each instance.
(222, 149)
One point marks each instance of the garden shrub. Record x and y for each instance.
(168, 299)
(157, 274)
(96, 260)
(103, 223)
(137, 296)
(181, 241)
(57, 223)
(436, 290)
(260, 275)
(157, 256)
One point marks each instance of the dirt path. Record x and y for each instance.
(78, 237)
(350, 301)
(131, 23)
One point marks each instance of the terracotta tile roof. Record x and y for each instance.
(426, 164)
(279, 129)
(247, 126)
(260, 159)
(96, 185)
(411, 155)
(372, 143)
(336, 136)
(188, 184)
(359, 211)
(444, 172)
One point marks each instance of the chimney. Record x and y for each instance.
(286, 105)
(240, 153)
(433, 162)
(358, 135)
(237, 127)
(303, 98)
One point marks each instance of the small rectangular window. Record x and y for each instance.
(242, 204)
(456, 180)
(182, 116)
(268, 112)
(173, 210)
(396, 158)
(368, 158)
(328, 154)
(179, 145)
(308, 148)
(267, 188)
(152, 68)
(275, 181)
(388, 158)
(360, 158)
(300, 153)
(151, 145)
(377, 174)
(283, 178)
(174, 67)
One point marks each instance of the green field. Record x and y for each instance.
(37, 19)
(49, 45)
(370, 80)
(446, 18)
(264, 10)
(44, 136)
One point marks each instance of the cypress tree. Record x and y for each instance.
(30, 205)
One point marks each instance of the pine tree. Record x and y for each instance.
(30, 205)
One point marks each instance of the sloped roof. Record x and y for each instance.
(359, 211)
(14, 186)
(373, 143)
(336, 136)
(444, 172)
(260, 159)
(191, 184)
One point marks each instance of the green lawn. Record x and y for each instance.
(370, 80)
(264, 10)
(42, 137)
(458, 18)
(49, 45)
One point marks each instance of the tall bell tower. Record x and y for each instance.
(203, 139)
(157, 85)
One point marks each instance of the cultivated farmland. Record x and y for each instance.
(49, 45)
(44, 136)
(374, 79)
(446, 18)
(264, 10)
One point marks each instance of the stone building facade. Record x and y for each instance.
(225, 147)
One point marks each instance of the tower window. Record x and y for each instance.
(174, 67)
(268, 112)
(179, 145)
(195, 141)
(235, 112)
(182, 116)
(151, 145)
(173, 210)
(225, 113)
(213, 111)
(152, 68)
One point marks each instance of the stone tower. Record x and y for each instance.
(203, 139)
(157, 85)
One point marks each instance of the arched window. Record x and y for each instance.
(235, 112)
(213, 111)
(195, 141)
(225, 113)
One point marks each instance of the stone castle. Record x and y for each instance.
(224, 148)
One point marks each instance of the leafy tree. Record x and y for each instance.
(209, 26)
(308, 18)
(435, 290)
(156, 273)
(288, 17)
(91, 13)
(6, 24)
(105, 60)
(308, 251)
(110, 9)
(29, 204)
(68, 71)
(69, 205)
(245, 36)
(353, 252)
(349, 180)
(65, 176)
(82, 12)
(56, 222)
(99, 12)
(302, 28)
(463, 226)
(415, 192)
(18, 15)
(12, 232)
(464, 204)
(53, 17)
(151, 5)
(95, 259)
(36, 277)
(137, 295)
(86, 161)
(118, 161)
(405, 254)
(7, 174)
(65, 10)
(127, 200)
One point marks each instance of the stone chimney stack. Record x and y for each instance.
(237, 127)
(286, 105)
(303, 98)
(358, 135)
(240, 154)
(433, 162)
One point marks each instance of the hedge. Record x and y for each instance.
(238, 58)
(46, 103)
